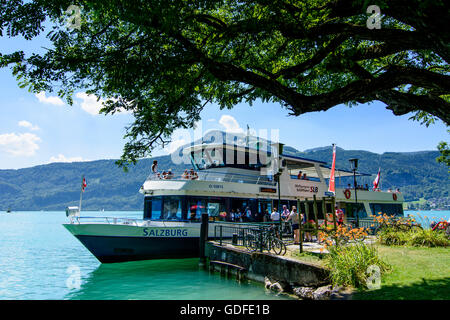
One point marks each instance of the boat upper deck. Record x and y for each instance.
(213, 176)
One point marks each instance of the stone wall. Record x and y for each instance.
(262, 265)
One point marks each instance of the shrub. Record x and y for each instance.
(428, 238)
(392, 237)
(349, 264)
(417, 238)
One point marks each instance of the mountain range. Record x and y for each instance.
(55, 186)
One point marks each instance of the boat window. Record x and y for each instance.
(265, 206)
(147, 208)
(156, 206)
(352, 207)
(215, 207)
(172, 208)
(196, 207)
(395, 209)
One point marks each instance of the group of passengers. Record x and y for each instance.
(359, 187)
(167, 175)
(302, 177)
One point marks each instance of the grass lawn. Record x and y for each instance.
(305, 257)
(417, 273)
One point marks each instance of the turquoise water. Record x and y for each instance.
(40, 259)
(426, 217)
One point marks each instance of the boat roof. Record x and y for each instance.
(305, 165)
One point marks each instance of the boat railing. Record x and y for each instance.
(108, 220)
(129, 221)
(213, 176)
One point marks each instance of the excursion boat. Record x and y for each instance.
(231, 173)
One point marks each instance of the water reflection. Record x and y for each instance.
(164, 280)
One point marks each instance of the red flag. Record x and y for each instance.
(331, 187)
(376, 182)
(83, 184)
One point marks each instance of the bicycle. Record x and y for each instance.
(267, 240)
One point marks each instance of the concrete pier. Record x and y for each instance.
(262, 265)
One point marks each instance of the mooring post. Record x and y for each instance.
(300, 226)
(203, 239)
(316, 215)
(324, 210)
(333, 211)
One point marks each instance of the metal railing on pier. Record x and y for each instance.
(368, 223)
(238, 233)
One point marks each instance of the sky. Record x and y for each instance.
(37, 129)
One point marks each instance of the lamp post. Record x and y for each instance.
(354, 166)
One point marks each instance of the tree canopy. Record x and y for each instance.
(165, 60)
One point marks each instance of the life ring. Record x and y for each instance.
(394, 196)
(347, 193)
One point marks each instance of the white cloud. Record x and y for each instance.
(49, 100)
(22, 144)
(211, 120)
(28, 125)
(63, 158)
(230, 124)
(175, 144)
(90, 103)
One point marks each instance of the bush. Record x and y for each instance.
(418, 238)
(428, 238)
(392, 237)
(349, 264)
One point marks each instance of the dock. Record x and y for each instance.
(258, 266)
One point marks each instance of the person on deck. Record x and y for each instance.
(339, 215)
(155, 166)
(275, 216)
(193, 174)
(185, 174)
(239, 215)
(232, 215)
(285, 213)
(284, 216)
(309, 225)
(193, 216)
(248, 215)
(294, 217)
(305, 177)
(266, 216)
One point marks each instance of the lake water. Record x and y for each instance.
(426, 217)
(40, 259)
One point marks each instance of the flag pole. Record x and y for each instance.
(331, 183)
(379, 170)
(81, 193)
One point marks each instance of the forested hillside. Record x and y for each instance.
(57, 185)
